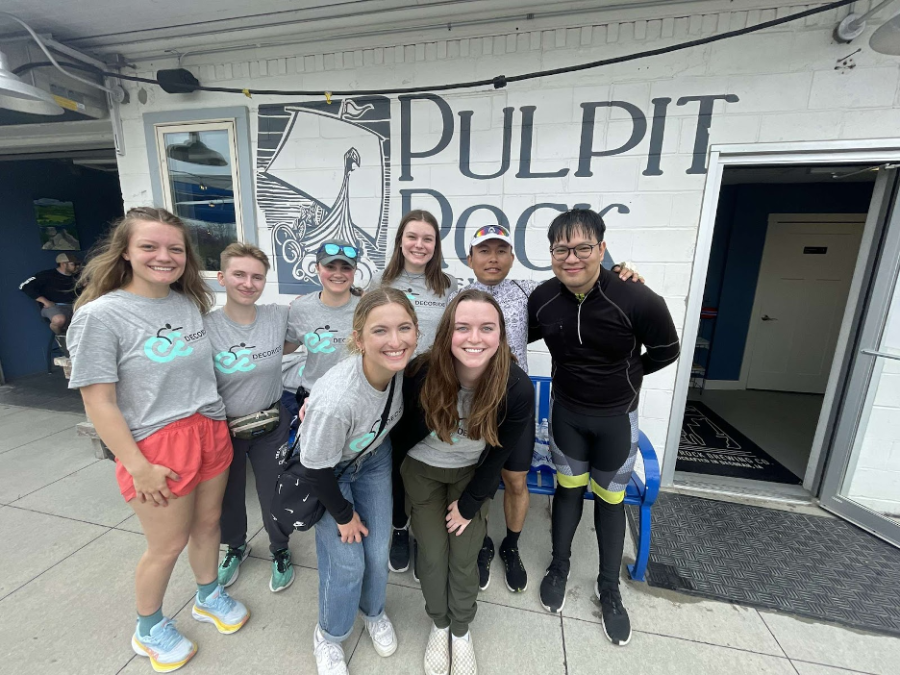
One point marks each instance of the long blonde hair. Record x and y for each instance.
(384, 295)
(435, 280)
(441, 388)
(107, 270)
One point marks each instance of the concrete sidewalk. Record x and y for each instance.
(68, 546)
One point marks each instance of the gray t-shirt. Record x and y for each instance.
(292, 367)
(462, 451)
(429, 306)
(512, 296)
(344, 413)
(248, 358)
(323, 330)
(155, 350)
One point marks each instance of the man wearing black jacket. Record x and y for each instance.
(595, 326)
(54, 291)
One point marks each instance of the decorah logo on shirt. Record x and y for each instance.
(167, 345)
(233, 361)
(410, 294)
(361, 443)
(319, 341)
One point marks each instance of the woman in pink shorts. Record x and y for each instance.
(144, 364)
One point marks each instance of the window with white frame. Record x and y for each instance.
(200, 184)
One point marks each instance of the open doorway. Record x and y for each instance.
(783, 253)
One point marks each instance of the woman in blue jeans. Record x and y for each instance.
(349, 413)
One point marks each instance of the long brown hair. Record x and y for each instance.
(441, 388)
(107, 270)
(384, 295)
(435, 280)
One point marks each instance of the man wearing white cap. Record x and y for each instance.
(491, 258)
(54, 291)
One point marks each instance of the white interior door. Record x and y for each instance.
(801, 294)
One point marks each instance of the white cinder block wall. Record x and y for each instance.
(791, 83)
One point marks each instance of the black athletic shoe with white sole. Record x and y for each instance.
(553, 586)
(399, 558)
(516, 576)
(616, 624)
(485, 556)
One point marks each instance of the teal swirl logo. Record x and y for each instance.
(411, 295)
(300, 370)
(319, 341)
(165, 348)
(233, 361)
(361, 443)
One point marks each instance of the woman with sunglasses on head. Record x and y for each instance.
(344, 450)
(466, 407)
(415, 269)
(144, 364)
(248, 343)
(322, 322)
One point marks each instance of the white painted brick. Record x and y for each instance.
(669, 245)
(804, 126)
(647, 209)
(656, 403)
(733, 129)
(859, 88)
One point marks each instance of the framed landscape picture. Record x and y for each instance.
(56, 222)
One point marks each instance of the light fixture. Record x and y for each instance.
(23, 97)
(852, 26)
(17, 95)
(195, 151)
(886, 39)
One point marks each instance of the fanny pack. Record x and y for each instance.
(257, 424)
(295, 505)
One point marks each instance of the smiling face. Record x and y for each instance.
(417, 245)
(243, 279)
(336, 276)
(491, 261)
(476, 337)
(157, 255)
(388, 338)
(578, 275)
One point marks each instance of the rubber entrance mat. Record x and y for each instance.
(815, 566)
(710, 445)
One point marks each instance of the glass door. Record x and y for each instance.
(862, 479)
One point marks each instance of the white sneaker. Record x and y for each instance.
(437, 652)
(463, 656)
(329, 655)
(383, 637)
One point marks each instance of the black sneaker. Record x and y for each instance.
(415, 559)
(399, 559)
(553, 586)
(616, 623)
(516, 576)
(485, 556)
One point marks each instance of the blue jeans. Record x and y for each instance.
(355, 576)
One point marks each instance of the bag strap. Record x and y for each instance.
(384, 417)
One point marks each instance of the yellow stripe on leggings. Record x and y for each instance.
(573, 481)
(606, 495)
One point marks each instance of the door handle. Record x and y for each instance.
(766, 317)
(872, 352)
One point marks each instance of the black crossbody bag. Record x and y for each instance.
(295, 504)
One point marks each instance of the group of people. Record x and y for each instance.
(414, 399)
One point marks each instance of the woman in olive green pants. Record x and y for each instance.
(466, 404)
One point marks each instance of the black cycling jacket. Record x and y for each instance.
(596, 344)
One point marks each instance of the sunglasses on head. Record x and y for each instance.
(491, 229)
(336, 249)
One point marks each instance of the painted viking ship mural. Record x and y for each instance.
(323, 172)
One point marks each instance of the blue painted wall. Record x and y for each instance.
(736, 254)
(98, 201)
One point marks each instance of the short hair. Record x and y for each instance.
(566, 224)
(240, 249)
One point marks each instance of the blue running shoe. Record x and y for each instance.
(220, 609)
(167, 649)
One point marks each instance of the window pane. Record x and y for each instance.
(202, 187)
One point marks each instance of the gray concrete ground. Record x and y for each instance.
(68, 546)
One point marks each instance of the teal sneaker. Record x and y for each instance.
(227, 614)
(282, 571)
(167, 649)
(230, 568)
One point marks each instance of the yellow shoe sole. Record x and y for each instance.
(224, 628)
(140, 650)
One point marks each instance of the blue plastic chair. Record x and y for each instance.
(541, 480)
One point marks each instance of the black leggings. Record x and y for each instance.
(595, 452)
(400, 517)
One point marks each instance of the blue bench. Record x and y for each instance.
(541, 480)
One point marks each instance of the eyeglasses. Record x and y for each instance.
(491, 229)
(582, 251)
(335, 249)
